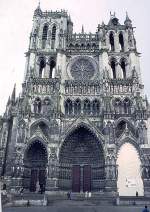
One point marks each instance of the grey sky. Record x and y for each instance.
(16, 22)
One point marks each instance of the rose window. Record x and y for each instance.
(82, 69)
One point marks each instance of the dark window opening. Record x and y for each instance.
(87, 107)
(77, 107)
(52, 68)
(123, 67)
(126, 106)
(53, 37)
(44, 36)
(112, 43)
(41, 69)
(120, 128)
(96, 107)
(113, 67)
(121, 42)
(37, 106)
(118, 106)
(68, 107)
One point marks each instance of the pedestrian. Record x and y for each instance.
(69, 195)
(28, 203)
(137, 194)
(145, 209)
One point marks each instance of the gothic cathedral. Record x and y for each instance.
(82, 99)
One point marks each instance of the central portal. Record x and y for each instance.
(81, 162)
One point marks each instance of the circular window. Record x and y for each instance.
(82, 69)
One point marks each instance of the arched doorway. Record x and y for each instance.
(81, 162)
(129, 171)
(35, 163)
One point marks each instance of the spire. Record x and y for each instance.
(112, 15)
(82, 31)
(8, 102)
(39, 4)
(38, 11)
(13, 95)
(128, 21)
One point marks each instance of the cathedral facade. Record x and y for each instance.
(82, 99)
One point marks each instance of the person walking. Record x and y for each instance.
(145, 209)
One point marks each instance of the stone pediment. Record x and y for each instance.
(38, 134)
(126, 134)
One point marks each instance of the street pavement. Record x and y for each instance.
(69, 208)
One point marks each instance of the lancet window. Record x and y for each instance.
(121, 42)
(77, 107)
(53, 37)
(111, 41)
(44, 36)
(127, 105)
(87, 107)
(95, 107)
(68, 107)
(52, 68)
(41, 68)
(37, 105)
(123, 68)
(113, 68)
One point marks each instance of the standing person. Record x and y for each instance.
(69, 195)
(137, 194)
(145, 209)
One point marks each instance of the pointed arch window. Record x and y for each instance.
(127, 106)
(44, 36)
(68, 107)
(123, 67)
(113, 68)
(41, 68)
(120, 128)
(111, 41)
(46, 105)
(52, 68)
(37, 106)
(77, 107)
(53, 37)
(96, 107)
(87, 107)
(121, 42)
(118, 106)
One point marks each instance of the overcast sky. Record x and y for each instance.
(16, 23)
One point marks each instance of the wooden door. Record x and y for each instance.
(76, 174)
(42, 179)
(86, 178)
(33, 180)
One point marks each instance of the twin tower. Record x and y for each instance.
(82, 99)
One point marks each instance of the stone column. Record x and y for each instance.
(116, 42)
(52, 172)
(111, 178)
(145, 170)
(47, 70)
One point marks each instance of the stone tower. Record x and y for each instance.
(82, 99)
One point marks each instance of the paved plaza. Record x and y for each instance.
(74, 206)
(74, 209)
